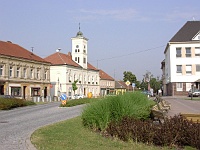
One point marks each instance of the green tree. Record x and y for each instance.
(129, 76)
(74, 86)
(155, 84)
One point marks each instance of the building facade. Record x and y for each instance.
(71, 67)
(181, 67)
(22, 73)
(107, 84)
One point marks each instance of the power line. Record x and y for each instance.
(150, 49)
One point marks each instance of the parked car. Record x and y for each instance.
(78, 96)
(194, 93)
(148, 93)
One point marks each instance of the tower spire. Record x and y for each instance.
(79, 26)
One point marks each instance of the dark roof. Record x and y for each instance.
(105, 76)
(14, 50)
(187, 32)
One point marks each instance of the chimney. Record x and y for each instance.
(58, 50)
(70, 55)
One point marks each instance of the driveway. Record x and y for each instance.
(181, 105)
(17, 125)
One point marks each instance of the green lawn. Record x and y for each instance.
(71, 134)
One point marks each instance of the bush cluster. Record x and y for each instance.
(113, 108)
(175, 131)
(9, 103)
(81, 101)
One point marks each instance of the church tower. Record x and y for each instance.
(79, 49)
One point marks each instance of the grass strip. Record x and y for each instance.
(71, 134)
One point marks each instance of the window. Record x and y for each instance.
(1, 70)
(45, 75)
(80, 78)
(84, 60)
(31, 74)
(198, 68)
(88, 79)
(178, 52)
(75, 50)
(188, 52)
(188, 86)
(178, 68)
(16, 91)
(18, 72)
(11, 71)
(24, 73)
(179, 87)
(75, 58)
(38, 74)
(78, 50)
(35, 91)
(197, 51)
(188, 69)
(78, 60)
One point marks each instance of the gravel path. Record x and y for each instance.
(17, 125)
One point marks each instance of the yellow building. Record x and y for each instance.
(22, 73)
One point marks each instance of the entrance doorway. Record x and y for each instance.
(24, 92)
(1, 89)
(45, 92)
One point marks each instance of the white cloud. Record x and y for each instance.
(122, 15)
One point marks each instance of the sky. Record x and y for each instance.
(124, 35)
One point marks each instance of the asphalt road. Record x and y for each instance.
(182, 105)
(17, 125)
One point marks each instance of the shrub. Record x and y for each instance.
(81, 101)
(113, 108)
(9, 103)
(175, 131)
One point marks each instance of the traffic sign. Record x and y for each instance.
(128, 83)
(63, 97)
(133, 84)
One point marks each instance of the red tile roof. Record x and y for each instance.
(14, 50)
(89, 66)
(105, 76)
(123, 84)
(61, 59)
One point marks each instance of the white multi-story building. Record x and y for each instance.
(181, 67)
(71, 67)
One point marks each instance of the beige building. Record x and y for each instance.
(107, 84)
(22, 73)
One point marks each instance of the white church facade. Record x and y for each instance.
(67, 68)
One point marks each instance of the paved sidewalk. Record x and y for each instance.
(182, 105)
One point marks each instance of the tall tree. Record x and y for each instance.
(74, 86)
(155, 84)
(129, 76)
